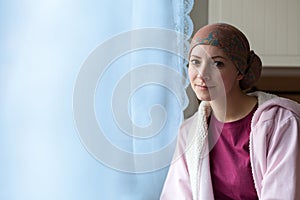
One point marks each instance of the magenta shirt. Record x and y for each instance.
(230, 159)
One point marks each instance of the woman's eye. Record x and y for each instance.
(218, 64)
(195, 62)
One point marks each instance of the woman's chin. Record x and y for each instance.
(203, 97)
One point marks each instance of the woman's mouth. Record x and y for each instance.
(202, 87)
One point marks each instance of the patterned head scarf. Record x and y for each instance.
(236, 46)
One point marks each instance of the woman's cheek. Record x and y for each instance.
(192, 73)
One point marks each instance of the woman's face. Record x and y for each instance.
(212, 73)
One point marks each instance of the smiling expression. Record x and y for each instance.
(212, 73)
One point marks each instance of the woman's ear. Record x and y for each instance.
(239, 76)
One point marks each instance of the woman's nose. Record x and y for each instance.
(203, 72)
(204, 77)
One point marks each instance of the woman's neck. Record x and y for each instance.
(236, 107)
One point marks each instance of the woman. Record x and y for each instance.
(238, 145)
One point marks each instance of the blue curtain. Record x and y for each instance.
(55, 90)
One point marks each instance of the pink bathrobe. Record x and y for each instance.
(274, 153)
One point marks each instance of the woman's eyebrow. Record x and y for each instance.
(196, 56)
(214, 57)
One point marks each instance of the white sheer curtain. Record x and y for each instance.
(45, 48)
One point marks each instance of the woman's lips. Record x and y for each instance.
(203, 87)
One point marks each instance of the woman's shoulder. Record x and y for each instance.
(276, 109)
(187, 123)
(203, 112)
